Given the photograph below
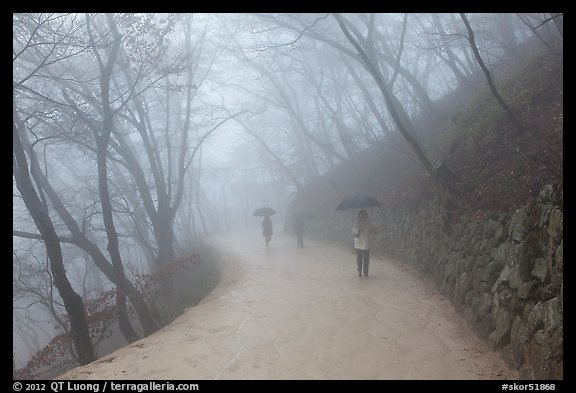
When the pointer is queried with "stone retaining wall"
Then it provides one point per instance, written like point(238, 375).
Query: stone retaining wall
point(503, 273)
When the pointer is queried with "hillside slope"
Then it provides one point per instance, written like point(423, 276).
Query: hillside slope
point(496, 169)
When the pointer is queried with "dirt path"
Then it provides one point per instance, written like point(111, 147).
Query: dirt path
point(290, 313)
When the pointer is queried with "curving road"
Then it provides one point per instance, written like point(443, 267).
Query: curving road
point(289, 313)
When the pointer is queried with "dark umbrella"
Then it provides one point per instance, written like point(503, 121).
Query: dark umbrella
point(358, 202)
point(264, 211)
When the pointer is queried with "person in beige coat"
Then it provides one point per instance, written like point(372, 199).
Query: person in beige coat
point(362, 230)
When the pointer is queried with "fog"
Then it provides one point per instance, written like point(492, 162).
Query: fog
point(136, 135)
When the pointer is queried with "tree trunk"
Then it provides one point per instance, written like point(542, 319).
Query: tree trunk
point(165, 236)
point(80, 240)
point(452, 60)
point(112, 235)
point(446, 193)
point(394, 63)
point(367, 97)
point(102, 138)
point(72, 301)
point(515, 122)
point(123, 319)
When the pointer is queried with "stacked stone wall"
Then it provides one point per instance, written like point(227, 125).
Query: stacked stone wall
point(503, 273)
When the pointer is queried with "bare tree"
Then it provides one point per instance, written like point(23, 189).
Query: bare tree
point(534, 22)
point(444, 50)
point(102, 137)
point(513, 119)
point(168, 162)
point(80, 239)
point(74, 111)
point(440, 177)
point(72, 301)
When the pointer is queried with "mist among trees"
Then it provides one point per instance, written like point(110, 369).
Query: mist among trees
point(136, 135)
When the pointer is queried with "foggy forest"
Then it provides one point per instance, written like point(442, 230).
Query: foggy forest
point(137, 137)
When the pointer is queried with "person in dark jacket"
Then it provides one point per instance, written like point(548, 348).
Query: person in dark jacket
point(267, 229)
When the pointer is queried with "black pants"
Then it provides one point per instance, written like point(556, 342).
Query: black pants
point(363, 261)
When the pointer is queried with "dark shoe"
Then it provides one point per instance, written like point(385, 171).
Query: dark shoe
point(366, 275)
point(359, 274)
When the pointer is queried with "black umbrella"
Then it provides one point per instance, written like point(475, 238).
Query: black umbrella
point(358, 202)
point(264, 211)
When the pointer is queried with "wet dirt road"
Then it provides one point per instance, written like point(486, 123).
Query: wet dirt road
point(288, 313)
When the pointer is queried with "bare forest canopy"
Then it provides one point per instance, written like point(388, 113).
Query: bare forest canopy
point(135, 135)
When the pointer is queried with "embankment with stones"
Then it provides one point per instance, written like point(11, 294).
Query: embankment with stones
point(502, 272)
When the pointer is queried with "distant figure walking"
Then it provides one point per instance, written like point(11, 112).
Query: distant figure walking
point(267, 230)
point(299, 229)
point(362, 231)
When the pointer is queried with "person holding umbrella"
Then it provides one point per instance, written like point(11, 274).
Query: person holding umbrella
point(362, 231)
point(267, 230)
